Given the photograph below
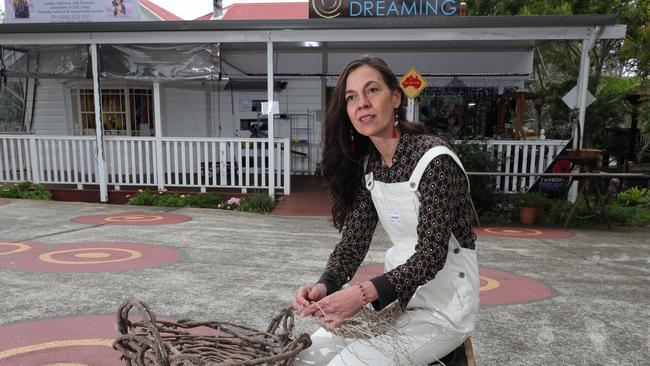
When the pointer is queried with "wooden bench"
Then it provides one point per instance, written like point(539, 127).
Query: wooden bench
point(461, 356)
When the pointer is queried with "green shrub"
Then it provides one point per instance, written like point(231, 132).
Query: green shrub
point(35, 192)
point(555, 212)
point(205, 200)
point(170, 200)
point(26, 190)
point(530, 199)
point(634, 197)
point(144, 197)
point(476, 158)
point(630, 216)
point(9, 192)
point(495, 218)
point(259, 203)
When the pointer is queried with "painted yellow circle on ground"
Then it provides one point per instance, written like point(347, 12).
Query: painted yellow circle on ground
point(526, 232)
point(490, 285)
point(56, 344)
point(134, 218)
point(20, 247)
point(48, 257)
point(92, 255)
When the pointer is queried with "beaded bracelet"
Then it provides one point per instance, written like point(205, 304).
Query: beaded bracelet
point(364, 298)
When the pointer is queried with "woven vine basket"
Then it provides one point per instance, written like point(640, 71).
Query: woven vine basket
point(152, 342)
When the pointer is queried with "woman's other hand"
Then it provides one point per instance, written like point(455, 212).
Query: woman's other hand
point(308, 294)
point(334, 309)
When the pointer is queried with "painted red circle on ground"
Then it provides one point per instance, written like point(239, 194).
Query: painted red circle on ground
point(10, 249)
point(3, 202)
point(90, 257)
point(133, 218)
point(497, 287)
point(83, 340)
point(523, 232)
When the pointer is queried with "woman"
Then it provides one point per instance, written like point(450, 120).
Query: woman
point(382, 168)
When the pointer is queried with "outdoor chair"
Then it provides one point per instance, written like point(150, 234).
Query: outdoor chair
point(461, 356)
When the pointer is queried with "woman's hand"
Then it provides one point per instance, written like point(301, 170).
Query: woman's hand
point(308, 294)
point(334, 309)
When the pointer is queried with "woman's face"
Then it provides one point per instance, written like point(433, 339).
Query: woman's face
point(370, 102)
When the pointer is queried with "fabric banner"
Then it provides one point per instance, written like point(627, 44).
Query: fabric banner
point(53, 11)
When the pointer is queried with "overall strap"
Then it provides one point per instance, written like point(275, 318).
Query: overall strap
point(370, 182)
point(422, 165)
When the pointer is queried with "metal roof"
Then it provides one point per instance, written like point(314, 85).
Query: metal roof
point(573, 21)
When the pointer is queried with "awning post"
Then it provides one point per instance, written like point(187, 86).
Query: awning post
point(100, 159)
point(269, 97)
point(157, 123)
point(583, 85)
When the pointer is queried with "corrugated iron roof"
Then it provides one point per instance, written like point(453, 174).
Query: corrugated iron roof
point(575, 21)
point(259, 11)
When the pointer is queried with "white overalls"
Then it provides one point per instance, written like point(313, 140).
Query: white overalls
point(441, 313)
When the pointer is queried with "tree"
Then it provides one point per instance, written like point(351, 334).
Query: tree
point(557, 64)
point(637, 51)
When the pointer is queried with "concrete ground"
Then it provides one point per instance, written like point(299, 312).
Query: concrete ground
point(245, 267)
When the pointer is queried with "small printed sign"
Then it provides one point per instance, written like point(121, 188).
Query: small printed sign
point(571, 98)
point(412, 83)
point(71, 11)
point(275, 108)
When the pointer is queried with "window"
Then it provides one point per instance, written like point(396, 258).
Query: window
point(125, 111)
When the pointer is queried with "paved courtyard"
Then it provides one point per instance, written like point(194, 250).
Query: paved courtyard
point(548, 297)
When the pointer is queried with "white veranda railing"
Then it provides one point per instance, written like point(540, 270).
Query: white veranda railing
point(240, 163)
point(521, 157)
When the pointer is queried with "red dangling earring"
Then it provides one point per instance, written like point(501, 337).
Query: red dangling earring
point(395, 125)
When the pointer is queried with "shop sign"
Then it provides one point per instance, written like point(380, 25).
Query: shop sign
point(382, 8)
point(412, 83)
point(57, 11)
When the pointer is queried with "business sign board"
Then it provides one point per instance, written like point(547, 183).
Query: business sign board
point(412, 83)
point(330, 9)
point(54, 11)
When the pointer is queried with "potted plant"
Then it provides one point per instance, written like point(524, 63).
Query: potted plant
point(528, 204)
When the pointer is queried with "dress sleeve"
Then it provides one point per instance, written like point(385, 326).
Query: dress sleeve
point(445, 208)
point(348, 254)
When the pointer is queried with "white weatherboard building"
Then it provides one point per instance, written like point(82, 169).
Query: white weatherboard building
point(182, 102)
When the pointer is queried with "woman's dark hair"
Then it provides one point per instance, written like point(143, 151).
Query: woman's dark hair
point(341, 162)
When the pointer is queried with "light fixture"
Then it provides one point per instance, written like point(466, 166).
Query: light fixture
point(310, 44)
point(471, 104)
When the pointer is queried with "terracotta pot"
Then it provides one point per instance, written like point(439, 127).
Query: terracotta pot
point(527, 215)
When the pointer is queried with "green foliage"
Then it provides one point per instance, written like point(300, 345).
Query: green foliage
point(26, 190)
point(495, 218)
point(630, 216)
point(634, 197)
point(144, 197)
point(555, 212)
point(170, 200)
point(530, 199)
point(260, 203)
point(9, 192)
point(205, 200)
point(476, 158)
